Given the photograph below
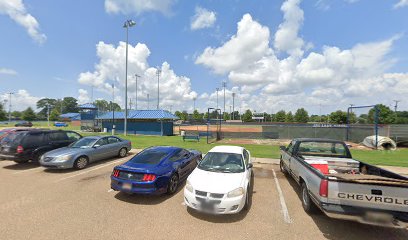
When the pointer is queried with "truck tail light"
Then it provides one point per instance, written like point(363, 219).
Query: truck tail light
point(324, 188)
point(20, 149)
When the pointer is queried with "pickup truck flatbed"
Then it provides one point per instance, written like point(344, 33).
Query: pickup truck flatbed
point(345, 188)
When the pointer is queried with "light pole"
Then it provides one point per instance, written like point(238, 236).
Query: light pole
point(127, 25)
point(217, 89)
point(194, 101)
point(136, 76)
point(233, 105)
point(230, 113)
point(224, 84)
point(148, 100)
point(9, 113)
point(158, 72)
point(113, 109)
point(48, 115)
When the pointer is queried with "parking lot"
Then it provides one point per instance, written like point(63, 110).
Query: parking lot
point(36, 203)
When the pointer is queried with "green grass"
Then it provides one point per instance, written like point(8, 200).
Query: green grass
point(387, 158)
point(44, 124)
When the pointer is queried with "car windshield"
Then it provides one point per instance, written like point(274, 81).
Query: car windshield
point(329, 149)
point(222, 162)
point(83, 143)
point(150, 156)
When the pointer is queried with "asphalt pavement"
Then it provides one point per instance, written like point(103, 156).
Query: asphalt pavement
point(38, 203)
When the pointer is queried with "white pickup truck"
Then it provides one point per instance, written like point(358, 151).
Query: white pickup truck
point(343, 187)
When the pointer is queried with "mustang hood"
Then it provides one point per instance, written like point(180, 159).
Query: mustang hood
point(215, 182)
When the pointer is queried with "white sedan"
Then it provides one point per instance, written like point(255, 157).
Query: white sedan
point(221, 182)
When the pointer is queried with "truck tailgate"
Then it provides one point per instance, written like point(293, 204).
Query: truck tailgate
point(373, 196)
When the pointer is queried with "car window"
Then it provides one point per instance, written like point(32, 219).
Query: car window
point(177, 156)
point(57, 136)
point(150, 156)
point(113, 140)
point(246, 157)
point(290, 147)
point(34, 139)
point(322, 149)
point(14, 137)
point(73, 136)
point(102, 141)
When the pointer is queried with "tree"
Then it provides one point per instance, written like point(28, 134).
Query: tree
point(29, 114)
point(385, 115)
point(247, 116)
point(102, 105)
point(280, 116)
point(301, 116)
point(43, 103)
point(69, 104)
point(16, 114)
point(3, 115)
point(197, 116)
point(340, 117)
point(54, 115)
point(289, 117)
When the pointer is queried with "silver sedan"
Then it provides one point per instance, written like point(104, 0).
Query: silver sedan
point(86, 150)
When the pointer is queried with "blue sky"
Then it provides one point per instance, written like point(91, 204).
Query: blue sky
point(328, 55)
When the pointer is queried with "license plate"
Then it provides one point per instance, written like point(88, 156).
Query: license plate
point(127, 186)
point(207, 206)
point(378, 217)
point(5, 149)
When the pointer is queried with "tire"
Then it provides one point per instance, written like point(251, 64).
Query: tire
point(173, 184)
point(307, 203)
point(38, 156)
point(122, 152)
point(81, 162)
point(247, 203)
point(282, 167)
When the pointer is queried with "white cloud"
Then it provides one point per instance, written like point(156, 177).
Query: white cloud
point(175, 90)
point(325, 4)
point(332, 77)
point(83, 96)
point(20, 100)
point(401, 3)
point(286, 38)
point(7, 71)
point(202, 19)
point(138, 6)
point(249, 44)
point(16, 10)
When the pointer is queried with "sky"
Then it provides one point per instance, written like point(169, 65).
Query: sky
point(322, 55)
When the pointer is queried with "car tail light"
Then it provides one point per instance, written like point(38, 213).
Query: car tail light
point(324, 188)
point(115, 173)
point(20, 149)
point(148, 177)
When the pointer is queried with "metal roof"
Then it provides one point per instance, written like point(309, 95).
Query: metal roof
point(87, 106)
point(141, 114)
point(72, 116)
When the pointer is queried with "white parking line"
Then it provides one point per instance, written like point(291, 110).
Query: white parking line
point(29, 170)
point(90, 170)
point(111, 190)
point(285, 211)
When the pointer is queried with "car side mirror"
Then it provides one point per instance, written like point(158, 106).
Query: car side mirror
point(250, 165)
point(96, 146)
point(283, 148)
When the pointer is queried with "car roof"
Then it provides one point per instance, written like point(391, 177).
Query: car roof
point(165, 148)
point(95, 137)
point(316, 140)
point(228, 149)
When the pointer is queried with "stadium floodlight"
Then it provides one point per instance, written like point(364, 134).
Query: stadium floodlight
point(129, 23)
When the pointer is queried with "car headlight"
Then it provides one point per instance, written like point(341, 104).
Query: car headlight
point(236, 193)
point(189, 187)
point(62, 158)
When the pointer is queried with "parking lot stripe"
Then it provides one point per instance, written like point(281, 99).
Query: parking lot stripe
point(285, 211)
point(90, 170)
point(110, 190)
point(28, 170)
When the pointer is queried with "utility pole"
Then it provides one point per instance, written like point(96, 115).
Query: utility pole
point(230, 113)
point(217, 89)
point(113, 109)
point(224, 84)
point(351, 109)
point(158, 72)
point(136, 76)
point(148, 100)
point(396, 105)
point(233, 105)
point(9, 113)
point(130, 103)
point(194, 102)
point(48, 115)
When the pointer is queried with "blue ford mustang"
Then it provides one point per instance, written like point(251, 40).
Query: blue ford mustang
point(155, 170)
